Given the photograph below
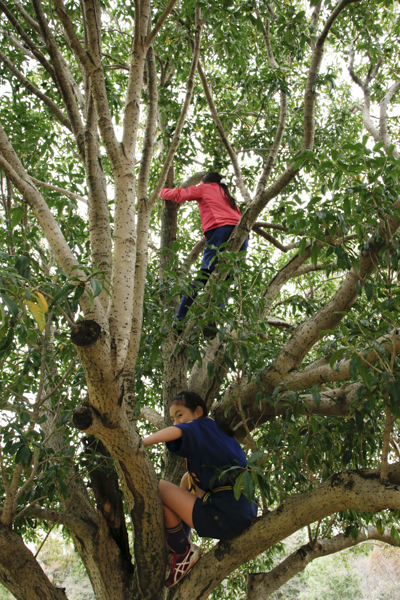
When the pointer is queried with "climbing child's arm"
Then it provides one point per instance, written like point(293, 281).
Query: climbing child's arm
point(165, 435)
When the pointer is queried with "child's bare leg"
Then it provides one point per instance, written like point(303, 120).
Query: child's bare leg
point(177, 504)
point(185, 482)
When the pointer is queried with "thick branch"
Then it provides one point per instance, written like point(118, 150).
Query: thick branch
point(63, 77)
point(143, 221)
point(332, 313)
point(135, 82)
point(151, 37)
point(12, 166)
point(260, 586)
point(27, 16)
point(20, 573)
point(99, 216)
point(96, 74)
point(359, 490)
point(384, 133)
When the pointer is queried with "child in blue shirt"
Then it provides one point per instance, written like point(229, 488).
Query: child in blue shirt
point(211, 509)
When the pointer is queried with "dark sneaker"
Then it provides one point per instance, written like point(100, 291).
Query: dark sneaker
point(180, 564)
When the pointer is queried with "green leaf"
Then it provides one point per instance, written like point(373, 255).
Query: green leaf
point(378, 146)
point(210, 369)
point(302, 246)
point(369, 289)
point(22, 266)
point(358, 288)
point(314, 255)
point(380, 527)
point(63, 488)
point(23, 456)
point(346, 458)
point(62, 294)
point(194, 353)
point(237, 488)
point(336, 356)
point(317, 398)
point(353, 368)
point(17, 215)
point(255, 457)
point(96, 286)
point(24, 417)
point(359, 421)
point(221, 333)
point(249, 487)
point(11, 305)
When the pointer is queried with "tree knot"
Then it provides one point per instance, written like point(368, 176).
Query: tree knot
point(86, 333)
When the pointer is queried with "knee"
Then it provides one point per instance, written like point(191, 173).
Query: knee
point(185, 481)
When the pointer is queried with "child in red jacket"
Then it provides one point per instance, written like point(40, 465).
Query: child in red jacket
point(219, 215)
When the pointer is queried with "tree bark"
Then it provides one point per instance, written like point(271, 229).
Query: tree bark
point(20, 572)
point(260, 586)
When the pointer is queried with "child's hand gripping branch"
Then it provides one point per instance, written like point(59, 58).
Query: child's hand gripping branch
point(212, 512)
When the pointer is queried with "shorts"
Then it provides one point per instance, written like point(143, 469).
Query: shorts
point(221, 516)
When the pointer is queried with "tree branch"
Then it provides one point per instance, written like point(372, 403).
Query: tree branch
point(224, 138)
point(384, 133)
point(189, 91)
point(249, 217)
point(27, 16)
point(359, 490)
point(260, 586)
point(151, 37)
point(143, 221)
point(99, 216)
point(25, 37)
point(135, 82)
point(273, 240)
point(61, 191)
point(332, 313)
point(63, 77)
point(21, 573)
point(34, 90)
point(152, 416)
point(12, 166)
point(96, 75)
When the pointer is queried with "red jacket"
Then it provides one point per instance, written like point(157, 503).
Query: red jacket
point(215, 209)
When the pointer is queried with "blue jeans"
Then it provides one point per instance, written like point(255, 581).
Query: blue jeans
point(215, 237)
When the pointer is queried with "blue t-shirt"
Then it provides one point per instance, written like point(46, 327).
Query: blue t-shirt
point(206, 447)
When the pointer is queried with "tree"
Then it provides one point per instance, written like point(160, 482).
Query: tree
point(103, 106)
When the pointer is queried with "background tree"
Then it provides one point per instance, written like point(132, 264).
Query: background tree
point(103, 105)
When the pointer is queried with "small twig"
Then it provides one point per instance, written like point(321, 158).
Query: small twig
point(45, 539)
point(386, 442)
point(55, 188)
point(59, 384)
point(29, 506)
point(3, 474)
